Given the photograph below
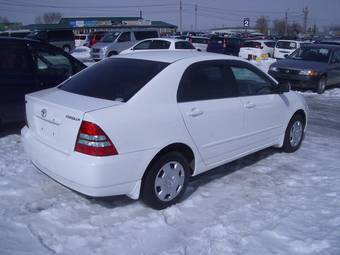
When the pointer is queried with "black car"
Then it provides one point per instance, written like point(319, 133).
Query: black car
point(313, 66)
point(225, 45)
point(25, 66)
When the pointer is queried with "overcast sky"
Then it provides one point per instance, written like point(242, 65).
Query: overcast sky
point(212, 13)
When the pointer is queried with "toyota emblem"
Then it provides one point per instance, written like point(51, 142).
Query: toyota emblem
point(43, 113)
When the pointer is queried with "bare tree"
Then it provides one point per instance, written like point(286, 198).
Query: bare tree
point(262, 24)
point(49, 18)
point(295, 29)
point(279, 27)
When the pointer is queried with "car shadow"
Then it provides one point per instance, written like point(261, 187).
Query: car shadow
point(194, 182)
point(229, 168)
point(11, 129)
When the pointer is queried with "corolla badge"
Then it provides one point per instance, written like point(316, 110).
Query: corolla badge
point(43, 113)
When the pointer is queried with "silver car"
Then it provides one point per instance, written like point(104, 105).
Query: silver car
point(114, 42)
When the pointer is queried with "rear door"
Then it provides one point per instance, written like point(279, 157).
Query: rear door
point(334, 68)
point(213, 114)
point(17, 79)
point(265, 109)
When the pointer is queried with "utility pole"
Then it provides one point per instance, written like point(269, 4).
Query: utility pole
point(305, 19)
point(180, 16)
point(286, 23)
point(195, 17)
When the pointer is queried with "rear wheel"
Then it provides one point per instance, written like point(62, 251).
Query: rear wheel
point(294, 134)
point(165, 181)
point(321, 85)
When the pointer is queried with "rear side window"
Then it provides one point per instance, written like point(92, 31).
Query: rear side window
point(116, 79)
point(206, 81)
point(14, 59)
point(184, 45)
point(141, 35)
point(199, 40)
point(286, 45)
point(160, 44)
point(252, 44)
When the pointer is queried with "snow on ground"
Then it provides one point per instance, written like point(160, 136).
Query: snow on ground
point(267, 203)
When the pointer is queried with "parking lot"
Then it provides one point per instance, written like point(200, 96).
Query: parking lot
point(267, 203)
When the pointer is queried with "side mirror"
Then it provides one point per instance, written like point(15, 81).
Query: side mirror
point(286, 55)
point(283, 87)
point(334, 61)
point(199, 50)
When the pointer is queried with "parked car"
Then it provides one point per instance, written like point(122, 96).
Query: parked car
point(80, 39)
point(62, 38)
point(311, 66)
point(26, 66)
point(156, 44)
point(257, 48)
point(93, 38)
point(21, 33)
point(225, 45)
point(141, 124)
point(81, 53)
point(199, 42)
point(115, 42)
point(284, 48)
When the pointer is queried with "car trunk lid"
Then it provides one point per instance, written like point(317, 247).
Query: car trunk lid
point(55, 116)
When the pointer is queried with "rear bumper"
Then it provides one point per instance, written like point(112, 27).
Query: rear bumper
point(296, 81)
point(93, 176)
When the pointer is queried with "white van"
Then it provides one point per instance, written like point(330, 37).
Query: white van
point(284, 48)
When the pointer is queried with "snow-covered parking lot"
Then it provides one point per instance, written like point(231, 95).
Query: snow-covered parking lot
point(266, 203)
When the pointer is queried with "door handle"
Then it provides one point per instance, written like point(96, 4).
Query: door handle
point(249, 105)
point(194, 112)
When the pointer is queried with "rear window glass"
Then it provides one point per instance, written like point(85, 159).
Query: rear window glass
point(252, 44)
point(199, 40)
point(116, 79)
point(270, 44)
point(216, 39)
point(286, 45)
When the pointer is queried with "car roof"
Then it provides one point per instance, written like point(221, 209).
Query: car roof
point(259, 40)
point(166, 39)
point(170, 56)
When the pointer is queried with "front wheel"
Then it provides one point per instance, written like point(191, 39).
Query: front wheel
point(294, 134)
point(165, 181)
point(321, 85)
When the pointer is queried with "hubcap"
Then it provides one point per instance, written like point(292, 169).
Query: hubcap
point(169, 181)
point(322, 84)
point(296, 133)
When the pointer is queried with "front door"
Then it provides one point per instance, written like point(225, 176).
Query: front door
point(265, 109)
point(213, 114)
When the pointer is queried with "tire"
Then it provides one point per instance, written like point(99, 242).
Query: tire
point(294, 134)
point(112, 53)
point(164, 185)
point(67, 48)
point(320, 89)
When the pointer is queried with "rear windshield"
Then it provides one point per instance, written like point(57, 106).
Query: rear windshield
point(270, 44)
point(199, 40)
point(252, 44)
point(286, 45)
point(116, 79)
point(216, 39)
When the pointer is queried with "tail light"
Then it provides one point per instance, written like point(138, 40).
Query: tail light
point(93, 141)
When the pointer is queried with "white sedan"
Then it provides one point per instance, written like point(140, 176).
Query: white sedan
point(257, 48)
point(141, 124)
point(156, 44)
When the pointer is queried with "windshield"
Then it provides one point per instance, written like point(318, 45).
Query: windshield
point(110, 37)
point(288, 45)
point(312, 54)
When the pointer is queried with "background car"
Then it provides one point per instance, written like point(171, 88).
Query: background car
point(225, 45)
point(284, 48)
point(312, 66)
point(84, 132)
point(80, 39)
point(257, 48)
point(62, 38)
point(161, 44)
point(115, 42)
point(93, 38)
point(26, 66)
point(21, 33)
point(199, 42)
